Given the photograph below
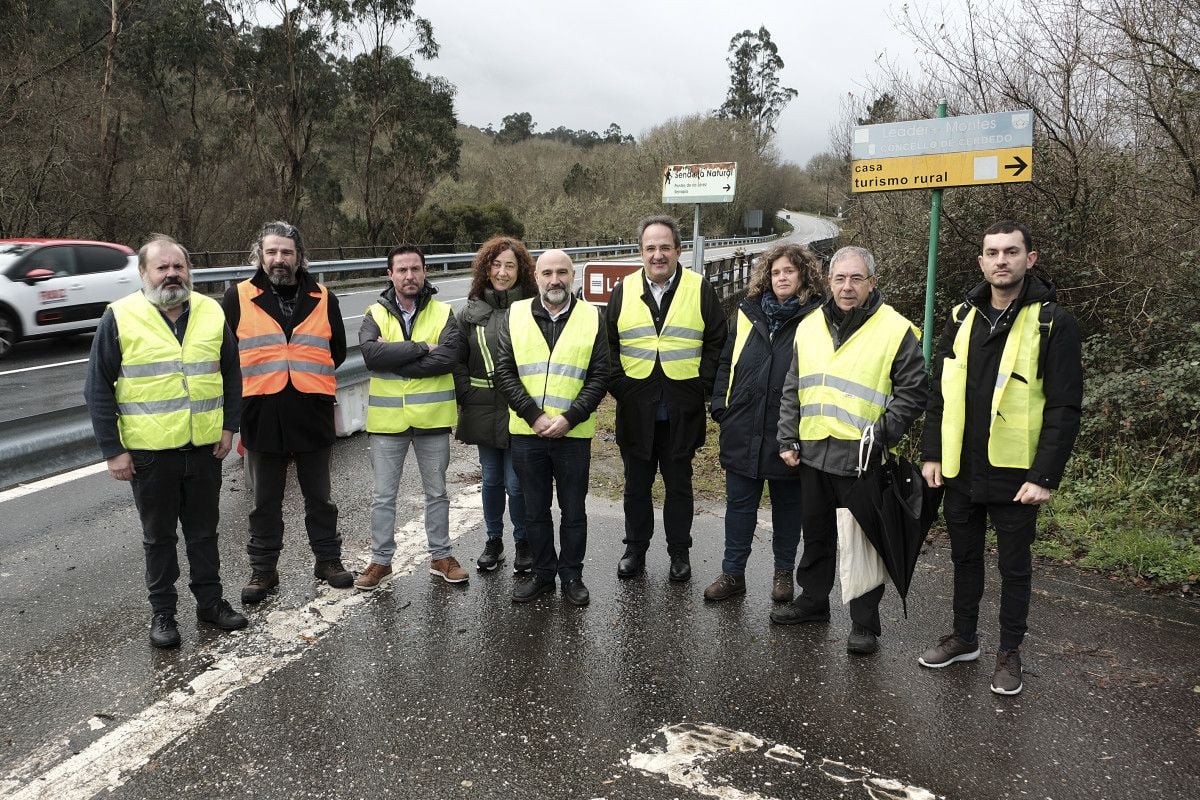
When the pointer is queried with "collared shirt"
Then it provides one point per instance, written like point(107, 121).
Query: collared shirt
point(406, 315)
point(657, 291)
point(554, 315)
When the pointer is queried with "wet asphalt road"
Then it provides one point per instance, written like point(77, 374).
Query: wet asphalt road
point(432, 690)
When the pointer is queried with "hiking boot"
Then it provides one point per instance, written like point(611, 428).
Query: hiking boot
point(782, 588)
point(492, 555)
point(725, 587)
point(861, 642)
point(333, 573)
point(261, 584)
point(1007, 677)
point(163, 631)
point(449, 569)
point(948, 650)
point(523, 559)
point(800, 611)
point(376, 575)
point(222, 615)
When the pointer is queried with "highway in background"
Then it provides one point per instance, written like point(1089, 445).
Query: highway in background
point(48, 375)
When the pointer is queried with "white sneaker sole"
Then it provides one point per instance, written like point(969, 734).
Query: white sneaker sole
point(962, 657)
point(1009, 692)
point(442, 575)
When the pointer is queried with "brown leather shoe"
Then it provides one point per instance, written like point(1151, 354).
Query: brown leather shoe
point(376, 575)
point(725, 586)
point(782, 588)
point(449, 569)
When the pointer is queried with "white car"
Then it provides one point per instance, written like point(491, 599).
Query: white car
point(56, 287)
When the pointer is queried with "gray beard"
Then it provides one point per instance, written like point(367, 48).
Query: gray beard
point(555, 297)
point(279, 279)
point(166, 297)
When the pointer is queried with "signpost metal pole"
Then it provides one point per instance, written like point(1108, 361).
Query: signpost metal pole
point(697, 244)
point(935, 213)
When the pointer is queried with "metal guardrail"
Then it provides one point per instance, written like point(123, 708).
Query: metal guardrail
point(202, 275)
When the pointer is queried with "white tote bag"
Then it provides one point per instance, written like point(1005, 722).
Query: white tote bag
point(860, 568)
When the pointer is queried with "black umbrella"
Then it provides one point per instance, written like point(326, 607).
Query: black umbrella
point(894, 508)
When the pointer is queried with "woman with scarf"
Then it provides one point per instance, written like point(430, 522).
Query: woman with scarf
point(502, 274)
point(785, 286)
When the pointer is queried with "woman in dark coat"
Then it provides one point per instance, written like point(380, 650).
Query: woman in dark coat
point(786, 285)
point(502, 274)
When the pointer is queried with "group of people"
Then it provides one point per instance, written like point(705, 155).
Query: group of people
point(810, 362)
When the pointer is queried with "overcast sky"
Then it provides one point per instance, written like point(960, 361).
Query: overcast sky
point(636, 63)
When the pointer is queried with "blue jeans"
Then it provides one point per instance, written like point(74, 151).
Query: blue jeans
point(558, 466)
point(743, 495)
point(499, 481)
point(432, 452)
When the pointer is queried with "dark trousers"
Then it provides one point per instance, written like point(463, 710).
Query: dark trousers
point(743, 495)
point(179, 488)
point(821, 494)
point(561, 466)
point(266, 518)
point(677, 505)
point(1016, 526)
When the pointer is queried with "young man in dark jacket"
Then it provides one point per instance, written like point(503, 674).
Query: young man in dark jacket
point(1002, 420)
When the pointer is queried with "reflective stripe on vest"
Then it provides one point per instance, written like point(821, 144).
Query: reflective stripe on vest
point(1017, 397)
point(489, 366)
point(845, 390)
point(678, 346)
point(169, 394)
point(397, 404)
point(744, 326)
point(555, 379)
point(269, 359)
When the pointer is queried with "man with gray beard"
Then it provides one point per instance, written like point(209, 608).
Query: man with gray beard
point(164, 392)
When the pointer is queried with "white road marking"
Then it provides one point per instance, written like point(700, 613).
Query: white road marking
point(238, 661)
point(689, 748)
point(51, 482)
point(45, 366)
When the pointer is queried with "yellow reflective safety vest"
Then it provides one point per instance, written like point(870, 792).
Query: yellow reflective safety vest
point(169, 394)
point(396, 403)
point(845, 390)
point(1017, 397)
point(678, 345)
point(744, 326)
point(553, 379)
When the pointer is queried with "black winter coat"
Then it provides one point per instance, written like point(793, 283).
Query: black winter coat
point(1062, 384)
point(637, 399)
point(288, 421)
point(751, 418)
point(483, 416)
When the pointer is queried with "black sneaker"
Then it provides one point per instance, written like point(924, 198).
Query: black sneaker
point(333, 573)
point(261, 584)
point(861, 641)
point(948, 650)
point(163, 631)
point(222, 615)
point(492, 555)
point(1007, 679)
point(523, 560)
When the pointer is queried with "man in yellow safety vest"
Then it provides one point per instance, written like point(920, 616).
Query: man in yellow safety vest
point(666, 330)
point(410, 342)
point(1007, 391)
point(858, 365)
point(552, 365)
point(163, 389)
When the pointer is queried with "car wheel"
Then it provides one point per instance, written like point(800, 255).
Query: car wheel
point(8, 333)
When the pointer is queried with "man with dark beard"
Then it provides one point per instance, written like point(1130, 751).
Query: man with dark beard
point(163, 389)
point(290, 340)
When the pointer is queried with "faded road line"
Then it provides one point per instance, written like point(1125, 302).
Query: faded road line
point(240, 661)
point(682, 753)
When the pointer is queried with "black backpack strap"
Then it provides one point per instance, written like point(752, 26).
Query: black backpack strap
point(1045, 322)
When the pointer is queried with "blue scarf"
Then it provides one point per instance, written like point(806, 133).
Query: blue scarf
point(778, 313)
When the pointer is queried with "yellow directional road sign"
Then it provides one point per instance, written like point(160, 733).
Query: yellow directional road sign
point(971, 168)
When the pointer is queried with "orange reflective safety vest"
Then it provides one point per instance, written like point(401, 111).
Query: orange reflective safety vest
point(269, 359)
